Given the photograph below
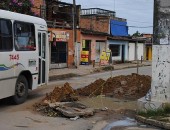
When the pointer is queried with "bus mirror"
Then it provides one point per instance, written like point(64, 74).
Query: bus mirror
point(54, 39)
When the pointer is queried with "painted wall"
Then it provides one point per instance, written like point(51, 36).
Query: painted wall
point(118, 28)
point(140, 50)
point(131, 51)
point(114, 42)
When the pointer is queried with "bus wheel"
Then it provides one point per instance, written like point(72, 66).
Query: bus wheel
point(21, 90)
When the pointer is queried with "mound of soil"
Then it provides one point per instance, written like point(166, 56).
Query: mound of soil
point(130, 86)
point(61, 94)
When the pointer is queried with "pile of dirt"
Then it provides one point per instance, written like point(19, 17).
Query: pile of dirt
point(131, 86)
point(56, 102)
point(61, 94)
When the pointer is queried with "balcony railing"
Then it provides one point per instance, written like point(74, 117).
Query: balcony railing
point(53, 24)
point(97, 11)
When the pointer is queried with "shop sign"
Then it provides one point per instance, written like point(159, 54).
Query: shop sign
point(105, 56)
point(84, 57)
point(61, 36)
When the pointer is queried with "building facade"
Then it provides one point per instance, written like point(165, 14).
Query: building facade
point(62, 48)
point(95, 43)
point(61, 29)
point(115, 29)
point(96, 30)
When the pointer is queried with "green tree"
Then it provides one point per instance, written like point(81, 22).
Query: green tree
point(136, 34)
point(20, 6)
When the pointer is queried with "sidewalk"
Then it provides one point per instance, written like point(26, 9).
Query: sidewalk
point(62, 73)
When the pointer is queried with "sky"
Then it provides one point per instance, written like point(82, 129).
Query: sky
point(139, 13)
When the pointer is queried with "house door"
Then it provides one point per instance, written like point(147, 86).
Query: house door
point(100, 46)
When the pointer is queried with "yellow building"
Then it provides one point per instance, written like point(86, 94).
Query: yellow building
point(148, 46)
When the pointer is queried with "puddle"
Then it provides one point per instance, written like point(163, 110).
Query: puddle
point(125, 122)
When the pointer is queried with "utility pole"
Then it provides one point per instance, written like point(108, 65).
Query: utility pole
point(159, 95)
point(75, 33)
point(136, 55)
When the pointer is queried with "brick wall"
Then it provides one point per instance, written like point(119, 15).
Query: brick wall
point(95, 23)
point(37, 5)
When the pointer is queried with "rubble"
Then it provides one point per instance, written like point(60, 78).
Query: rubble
point(72, 112)
point(64, 109)
point(61, 102)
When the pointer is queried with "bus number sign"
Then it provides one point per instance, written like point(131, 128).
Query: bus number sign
point(14, 57)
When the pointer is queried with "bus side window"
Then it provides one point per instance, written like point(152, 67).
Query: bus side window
point(24, 36)
point(6, 42)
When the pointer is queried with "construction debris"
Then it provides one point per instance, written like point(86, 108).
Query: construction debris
point(67, 109)
point(61, 102)
point(72, 112)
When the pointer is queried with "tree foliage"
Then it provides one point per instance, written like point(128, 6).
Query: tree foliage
point(20, 6)
point(137, 34)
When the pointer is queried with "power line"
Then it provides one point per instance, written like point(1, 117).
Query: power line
point(140, 26)
point(139, 21)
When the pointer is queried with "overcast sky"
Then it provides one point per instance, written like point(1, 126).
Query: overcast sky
point(139, 13)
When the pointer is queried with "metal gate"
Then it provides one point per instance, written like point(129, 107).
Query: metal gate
point(58, 55)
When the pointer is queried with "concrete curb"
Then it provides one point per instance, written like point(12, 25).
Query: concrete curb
point(153, 122)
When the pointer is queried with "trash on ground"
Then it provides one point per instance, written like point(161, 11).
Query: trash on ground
point(75, 118)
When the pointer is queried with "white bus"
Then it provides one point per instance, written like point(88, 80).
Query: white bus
point(24, 53)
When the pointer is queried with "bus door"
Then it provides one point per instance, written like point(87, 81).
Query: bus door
point(42, 57)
